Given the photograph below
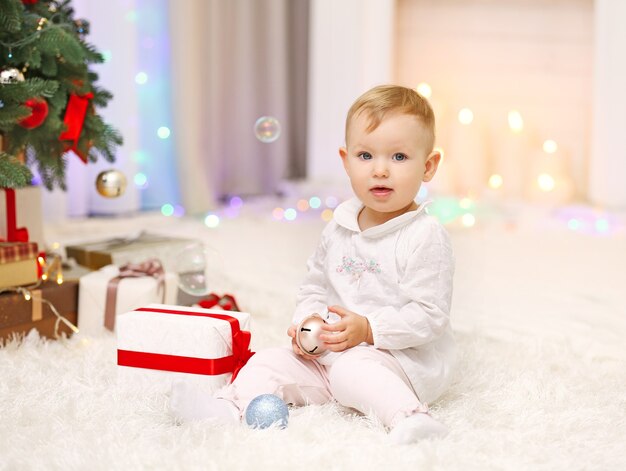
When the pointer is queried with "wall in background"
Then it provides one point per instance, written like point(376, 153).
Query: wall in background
point(533, 56)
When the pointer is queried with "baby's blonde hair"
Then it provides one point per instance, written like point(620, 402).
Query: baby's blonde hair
point(383, 99)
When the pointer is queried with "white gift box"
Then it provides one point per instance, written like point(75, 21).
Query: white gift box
point(131, 294)
point(160, 344)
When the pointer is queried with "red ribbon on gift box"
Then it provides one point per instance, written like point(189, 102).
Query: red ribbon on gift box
point(74, 120)
point(14, 233)
point(201, 366)
point(150, 267)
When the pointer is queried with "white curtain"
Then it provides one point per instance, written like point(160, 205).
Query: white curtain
point(233, 62)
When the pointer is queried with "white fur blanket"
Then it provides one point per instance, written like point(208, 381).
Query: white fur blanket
point(540, 319)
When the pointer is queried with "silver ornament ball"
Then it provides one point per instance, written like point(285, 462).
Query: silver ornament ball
point(267, 410)
point(11, 75)
point(111, 183)
point(308, 335)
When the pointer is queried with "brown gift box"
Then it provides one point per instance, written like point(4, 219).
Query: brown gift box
point(17, 315)
point(95, 255)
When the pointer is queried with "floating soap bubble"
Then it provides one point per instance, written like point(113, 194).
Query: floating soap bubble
point(197, 267)
point(267, 129)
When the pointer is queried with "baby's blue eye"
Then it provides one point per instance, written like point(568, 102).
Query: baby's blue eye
point(399, 157)
point(365, 155)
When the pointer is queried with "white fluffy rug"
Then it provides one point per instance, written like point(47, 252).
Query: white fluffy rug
point(540, 317)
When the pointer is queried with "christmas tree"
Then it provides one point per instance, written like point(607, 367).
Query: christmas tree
point(48, 94)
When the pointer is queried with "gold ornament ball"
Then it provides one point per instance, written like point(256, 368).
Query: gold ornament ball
point(111, 183)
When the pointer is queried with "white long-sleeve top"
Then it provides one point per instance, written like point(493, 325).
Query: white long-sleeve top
point(397, 274)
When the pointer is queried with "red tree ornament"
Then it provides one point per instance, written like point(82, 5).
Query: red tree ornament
point(29, 2)
point(39, 108)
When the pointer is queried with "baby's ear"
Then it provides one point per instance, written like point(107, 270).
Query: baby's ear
point(432, 163)
point(343, 153)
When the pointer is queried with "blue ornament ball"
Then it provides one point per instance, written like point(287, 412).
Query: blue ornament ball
point(266, 410)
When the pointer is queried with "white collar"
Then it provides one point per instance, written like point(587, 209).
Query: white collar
point(347, 213)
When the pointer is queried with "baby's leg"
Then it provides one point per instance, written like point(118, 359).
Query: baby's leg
point(281, 372)
point(372, 382)
point(272, 371)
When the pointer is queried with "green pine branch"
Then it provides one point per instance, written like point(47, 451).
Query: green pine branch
point(13, 174)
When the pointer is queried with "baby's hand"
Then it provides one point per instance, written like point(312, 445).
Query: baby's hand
point(291, 332)
point(351, 330)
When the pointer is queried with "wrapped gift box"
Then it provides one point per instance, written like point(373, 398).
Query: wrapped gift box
point(159, 344)
point(27, 211)
point(18, 264)
point(132, 292)
point(96, 255)
point(19, 316)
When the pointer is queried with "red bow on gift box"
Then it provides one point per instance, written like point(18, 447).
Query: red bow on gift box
point(226, 302)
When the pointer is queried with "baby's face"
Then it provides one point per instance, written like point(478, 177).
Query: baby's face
point(386, 167)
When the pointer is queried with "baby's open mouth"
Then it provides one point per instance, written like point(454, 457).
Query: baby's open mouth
point(380, 190)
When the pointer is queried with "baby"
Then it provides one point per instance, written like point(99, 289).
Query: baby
point(382, 278)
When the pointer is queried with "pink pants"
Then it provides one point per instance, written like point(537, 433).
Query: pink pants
point(363, 378)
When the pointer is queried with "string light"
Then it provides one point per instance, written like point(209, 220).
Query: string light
point(26, 293)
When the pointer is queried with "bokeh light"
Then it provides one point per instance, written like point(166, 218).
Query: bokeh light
point(466, 116)
point(516, 122)
point(550, 146)
point(278, 213)
point(545, 182)
point(466, 203)
point(235, 202)
point(602, 225)
point(302, 205)
point(163, 132)
point(573, 224)
point(315, 202)
point(141, 180)
point(212, 220)
point(167, 209)
point(179, 211)
point(468, 220)
point(327, 214)
point(290, 214)
point(424, 89)
point(495, 181)
point(141, 78)
point(331, 202)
